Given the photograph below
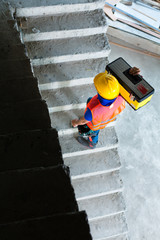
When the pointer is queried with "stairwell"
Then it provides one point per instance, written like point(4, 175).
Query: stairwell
point(67, 44)
point(37, 200)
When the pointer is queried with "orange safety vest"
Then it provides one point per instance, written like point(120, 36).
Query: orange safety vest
point(102, 115)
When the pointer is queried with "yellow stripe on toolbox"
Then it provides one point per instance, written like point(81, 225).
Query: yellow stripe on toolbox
point(134, 103)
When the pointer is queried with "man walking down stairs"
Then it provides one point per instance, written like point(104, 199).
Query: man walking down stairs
point(67, 44)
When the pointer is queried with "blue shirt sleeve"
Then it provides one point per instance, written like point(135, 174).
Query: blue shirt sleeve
point(88, 115)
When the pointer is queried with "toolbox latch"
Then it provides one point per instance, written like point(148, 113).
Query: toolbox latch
point(132, 97)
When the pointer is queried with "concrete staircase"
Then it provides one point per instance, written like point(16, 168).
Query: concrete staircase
point(67, 44)
point(37, 200)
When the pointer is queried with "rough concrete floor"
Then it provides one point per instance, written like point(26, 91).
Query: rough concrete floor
point(139, 141)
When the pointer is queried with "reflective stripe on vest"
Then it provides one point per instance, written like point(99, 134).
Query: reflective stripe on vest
point(102, 115)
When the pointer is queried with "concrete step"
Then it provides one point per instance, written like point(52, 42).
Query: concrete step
point(66, 117)
point(70, 58)
point(60, 47)
point(69, 226)
point(68, 107)
point(94, 163)
point(67, 71)
point(101, 206)
point(64, 22)
point(63, 84)
point(55, 35)
point(107, 227)
point(121, 236)
point(71, 147)
point(42, 7)
point(36, 148)
point(97, 185)
point(35, 193)
point(67, 96)
point(64, 126)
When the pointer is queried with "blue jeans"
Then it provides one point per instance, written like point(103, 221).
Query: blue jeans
point(96, 133)
point(95, 138)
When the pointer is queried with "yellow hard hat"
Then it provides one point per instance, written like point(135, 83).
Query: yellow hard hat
point(106, 85)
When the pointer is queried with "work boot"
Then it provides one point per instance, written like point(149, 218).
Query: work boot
point(87, 142)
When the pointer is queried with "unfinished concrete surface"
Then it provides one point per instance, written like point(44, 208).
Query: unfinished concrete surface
point(67, 44)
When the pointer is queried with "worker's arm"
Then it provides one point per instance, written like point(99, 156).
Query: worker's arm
point(134, 71)
point(81, 121)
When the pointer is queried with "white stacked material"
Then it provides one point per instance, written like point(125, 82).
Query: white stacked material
point(144, 14)
point(139, 31)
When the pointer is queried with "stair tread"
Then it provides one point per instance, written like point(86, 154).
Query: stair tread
point(108, 226)
point(95, 162)
point(66, 116)
point(60, 47)
point(71, 147)
point(96, 185)
point(121, 236)
point(65, 22)
point(67, 34)
point(69, 70)
point(40, 7)
point(70, 57)
point(66, 96)
point(103, 205)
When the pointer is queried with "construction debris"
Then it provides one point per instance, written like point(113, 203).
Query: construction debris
point(140, 18)
point(136, 19)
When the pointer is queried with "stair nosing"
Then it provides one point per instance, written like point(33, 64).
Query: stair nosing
point(70, 58)
point(57, 9)
point(100, 194)
point(91, 174)
point(106, 216)
point(65, 84)
point(88, 151)
point(68, 131)
point(112, 236)
point(66, 107)
point(54, 35)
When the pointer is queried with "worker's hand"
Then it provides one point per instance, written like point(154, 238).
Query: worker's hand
point(81, 121)
point(134, 71)
point(74, 122)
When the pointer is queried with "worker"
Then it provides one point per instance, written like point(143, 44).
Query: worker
point(101, 109)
